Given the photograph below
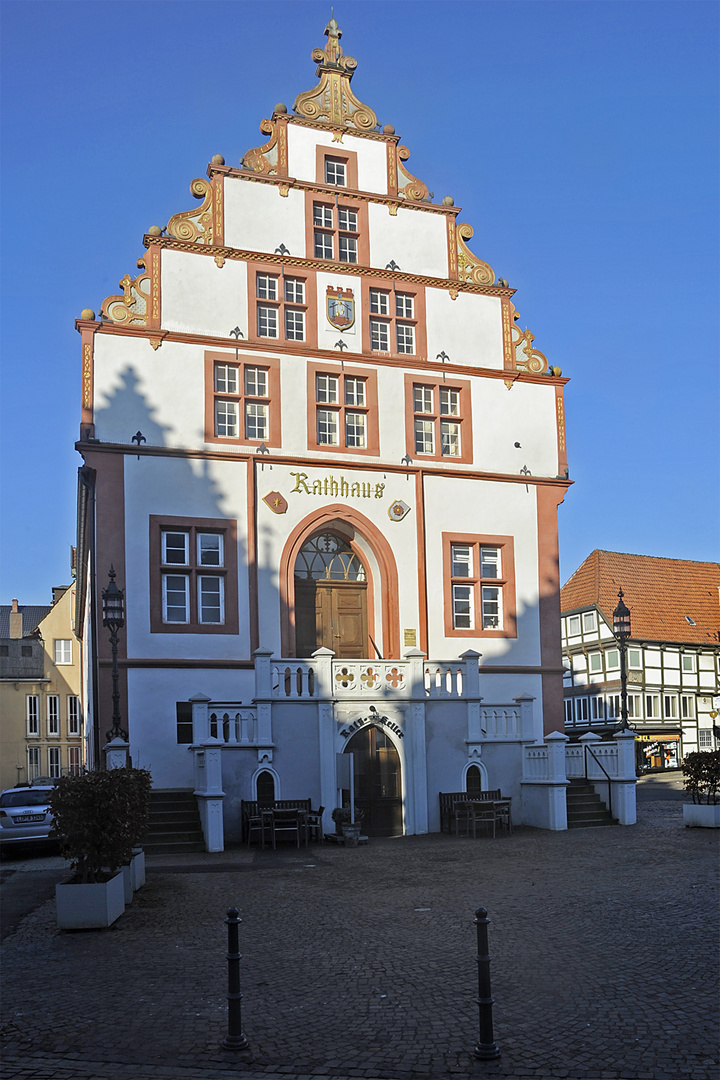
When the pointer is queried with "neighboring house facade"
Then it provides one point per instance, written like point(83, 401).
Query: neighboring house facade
point(41, 691)
point(673, 654)
point(325, 464)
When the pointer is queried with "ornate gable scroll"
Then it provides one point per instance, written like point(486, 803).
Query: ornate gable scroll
point(203, 225)
point(333, 100)
point(134, 306)
point(409, 187)
point(524, 356)
point(270, 159)
point(470, 268)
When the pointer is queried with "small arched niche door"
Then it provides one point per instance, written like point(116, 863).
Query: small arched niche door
point(378, 781)
point(330, 598)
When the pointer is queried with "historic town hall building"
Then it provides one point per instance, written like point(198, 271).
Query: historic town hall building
point(325, 464)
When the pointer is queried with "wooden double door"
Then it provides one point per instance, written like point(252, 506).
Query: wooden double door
point(332, 614)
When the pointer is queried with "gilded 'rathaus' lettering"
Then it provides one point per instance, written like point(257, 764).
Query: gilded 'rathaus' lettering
point(328, 485)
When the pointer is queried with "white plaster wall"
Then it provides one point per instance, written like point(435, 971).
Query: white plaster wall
point(502, 417)
point(468, 329)
point(182, 487)
point(415, 240)
point(392, 404)
point(460, 505)
point(302, 156)
point(273, 530)
point(199, 297)
point(158, 392)
point(259, 218)
point(152, 695)
point(327, 334)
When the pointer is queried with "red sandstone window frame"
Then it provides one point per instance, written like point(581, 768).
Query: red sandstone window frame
point(505, 582)
point(257, 269)
point(394, 290)
point(436, 417)
point(225, 527)
point(370, 408)
point(272, 400)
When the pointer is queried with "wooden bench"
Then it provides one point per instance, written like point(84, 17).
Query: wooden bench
point(448, 799)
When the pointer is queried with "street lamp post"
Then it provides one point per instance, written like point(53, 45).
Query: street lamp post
point(621, 630)
point(113, 608)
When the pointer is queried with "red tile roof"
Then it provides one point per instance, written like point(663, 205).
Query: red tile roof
point(660, 593)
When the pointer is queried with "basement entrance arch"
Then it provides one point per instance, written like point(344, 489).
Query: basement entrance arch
point(378, 781)
point(330, 598)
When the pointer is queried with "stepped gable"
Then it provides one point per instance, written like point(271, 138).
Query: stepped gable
point(662, 595)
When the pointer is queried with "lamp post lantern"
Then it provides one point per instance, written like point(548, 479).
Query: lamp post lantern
point(113, 608)
point(621, 630)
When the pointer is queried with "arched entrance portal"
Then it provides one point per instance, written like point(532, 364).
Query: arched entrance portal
point(378, 781)
point(330, 598)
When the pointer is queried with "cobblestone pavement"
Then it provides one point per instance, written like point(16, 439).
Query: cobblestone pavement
point(361, 963)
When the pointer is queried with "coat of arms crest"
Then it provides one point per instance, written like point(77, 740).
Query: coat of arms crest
point(340, 306)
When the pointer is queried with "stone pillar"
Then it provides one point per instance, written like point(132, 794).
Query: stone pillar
point(625, 787)
point(201, 728)
point(527, 718)
point(323, 672)
point(209, 793)
point(557, 780)
point(116, 754)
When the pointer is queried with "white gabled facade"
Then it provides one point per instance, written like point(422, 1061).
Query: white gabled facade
point(312, 374)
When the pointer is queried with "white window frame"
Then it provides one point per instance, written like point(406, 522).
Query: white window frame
point(53, 715)
point(226, 419)
point(32, 715)
point(612, 660)
point(203, 608)
point(463, 606)
point(595, 663)
point(635, 665)
point(74, 761)
point(573, 621)
point(705, 738)
point(688, 664)
point(670, 707)
point(687, 707)
point(652, 706)
point(335, 172)
point(73, 714)
point(165, 612)
point(33, 762)
point(62, 650)
point(54, 762)
point(589, 623)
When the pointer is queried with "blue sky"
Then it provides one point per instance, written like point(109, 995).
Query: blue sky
point(580, 138)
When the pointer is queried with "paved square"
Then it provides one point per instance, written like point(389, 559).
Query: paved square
point(604, 946)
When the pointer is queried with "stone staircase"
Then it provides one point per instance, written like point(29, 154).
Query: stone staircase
point(174, 826)
point(585, 808)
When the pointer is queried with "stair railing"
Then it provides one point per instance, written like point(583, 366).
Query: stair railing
point(597, 761)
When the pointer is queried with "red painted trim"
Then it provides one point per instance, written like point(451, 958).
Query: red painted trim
point(388, 586)
point(561, 435)
point(548, 501)
point(252, 570)
point(464, 419)
point(87, 391)
point(272, 365)
point(422, 562)
point(340, 371)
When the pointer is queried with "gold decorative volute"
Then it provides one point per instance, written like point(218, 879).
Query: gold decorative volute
point(270, 159)
point(526, 357)
point(470, 268)
point(196, 225)
point(409, 187)
point(333, 100)
point(133, 307)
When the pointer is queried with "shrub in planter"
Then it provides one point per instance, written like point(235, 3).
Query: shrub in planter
point(702, 776)
point(341, 816)
point(702, 781)
point(98, 818)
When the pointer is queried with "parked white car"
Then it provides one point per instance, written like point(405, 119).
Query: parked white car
point(25, 816)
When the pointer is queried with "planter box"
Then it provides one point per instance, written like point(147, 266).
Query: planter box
point(351, 834)
point(90, 907)
point(701, 816)
point(137, 869)
point(126, 872)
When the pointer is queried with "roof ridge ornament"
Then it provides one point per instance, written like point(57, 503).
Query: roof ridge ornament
point(333, 100)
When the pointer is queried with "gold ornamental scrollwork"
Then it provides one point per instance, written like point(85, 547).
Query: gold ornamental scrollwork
point(526, 357)
point(410, 187)
point(470, 268)
point(332, 100)
point(196, 225)
point(134, 306)
point(265, 159)
point(87, 376)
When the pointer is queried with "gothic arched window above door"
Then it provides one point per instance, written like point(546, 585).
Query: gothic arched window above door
point(328, 557)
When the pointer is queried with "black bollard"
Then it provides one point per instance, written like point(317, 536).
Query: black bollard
point(485, 1047)
point(234, 1040)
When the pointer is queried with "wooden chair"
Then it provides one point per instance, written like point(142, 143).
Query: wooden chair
point(287, 822)
point(314, 824)
point(261, 824)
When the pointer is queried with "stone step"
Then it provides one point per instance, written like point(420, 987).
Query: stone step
point(174, 823)
point(180, 847)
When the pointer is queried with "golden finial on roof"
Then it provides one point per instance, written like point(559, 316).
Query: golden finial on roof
point(332, 100)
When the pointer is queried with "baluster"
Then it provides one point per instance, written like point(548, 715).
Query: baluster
point(213, 725)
